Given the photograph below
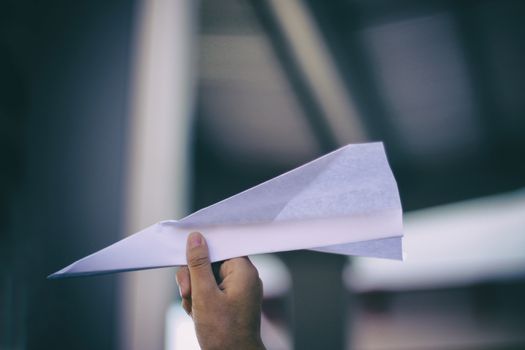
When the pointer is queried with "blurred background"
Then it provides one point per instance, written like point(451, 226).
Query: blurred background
point(117, 114)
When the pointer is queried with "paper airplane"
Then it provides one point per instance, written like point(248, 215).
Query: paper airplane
point(345, 202)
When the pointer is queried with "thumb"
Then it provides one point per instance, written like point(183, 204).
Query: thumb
point(199, 266)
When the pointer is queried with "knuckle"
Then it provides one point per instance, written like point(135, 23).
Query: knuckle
point(251, 268)
point(253, 272)
point(197, 261)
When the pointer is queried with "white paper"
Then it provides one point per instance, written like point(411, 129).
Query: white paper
point(345, 202)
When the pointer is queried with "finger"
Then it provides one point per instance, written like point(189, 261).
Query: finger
point(201, 276)
point(186, 305)
point(241, 265)
point(238, 274)
point(183, 280)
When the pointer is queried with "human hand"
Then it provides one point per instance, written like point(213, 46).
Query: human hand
point(226, 315)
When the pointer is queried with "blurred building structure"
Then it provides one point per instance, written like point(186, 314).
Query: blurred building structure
point(86, 111)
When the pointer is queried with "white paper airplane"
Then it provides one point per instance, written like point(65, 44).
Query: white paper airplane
point(345, 202)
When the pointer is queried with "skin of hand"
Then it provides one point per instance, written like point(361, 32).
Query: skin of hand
point(227, 315)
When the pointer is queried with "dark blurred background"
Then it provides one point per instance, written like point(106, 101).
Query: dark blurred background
point(117, 114)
